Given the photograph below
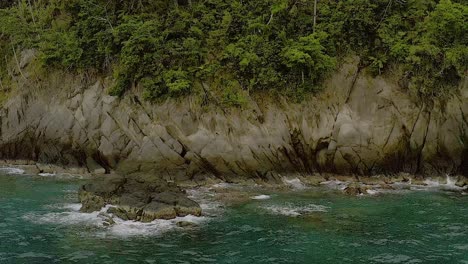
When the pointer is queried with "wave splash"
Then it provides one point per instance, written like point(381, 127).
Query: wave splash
point(72, 216)
point(11, 171)
point(450, 184)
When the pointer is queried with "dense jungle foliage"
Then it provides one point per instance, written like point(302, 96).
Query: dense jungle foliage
point(171, 47)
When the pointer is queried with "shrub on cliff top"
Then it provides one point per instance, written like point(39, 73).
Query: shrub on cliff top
point(167, 46)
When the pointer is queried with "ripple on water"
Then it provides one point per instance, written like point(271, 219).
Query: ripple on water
point(293, 210)
point(394, 258)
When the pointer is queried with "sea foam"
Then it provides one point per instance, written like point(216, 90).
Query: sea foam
point(295, 211)
point(10, 170)
point(71, 216)
point(261, 197)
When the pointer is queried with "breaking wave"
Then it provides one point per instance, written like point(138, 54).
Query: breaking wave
point(72, 216)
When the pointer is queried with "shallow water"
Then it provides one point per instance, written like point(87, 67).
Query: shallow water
point(40, 223)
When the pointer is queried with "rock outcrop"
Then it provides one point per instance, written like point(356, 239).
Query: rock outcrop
point(140, 197)
point(358, 124)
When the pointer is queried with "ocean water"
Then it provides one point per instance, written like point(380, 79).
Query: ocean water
point(40, 223)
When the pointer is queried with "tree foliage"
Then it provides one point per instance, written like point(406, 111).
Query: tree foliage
point(167, 47)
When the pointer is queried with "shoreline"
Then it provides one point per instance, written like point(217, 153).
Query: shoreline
point(215, 198)
point(286, 179)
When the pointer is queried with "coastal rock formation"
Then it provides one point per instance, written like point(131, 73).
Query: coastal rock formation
point(358, 124)
point(142, 198)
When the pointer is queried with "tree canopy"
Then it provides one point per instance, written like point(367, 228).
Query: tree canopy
point(170, 47)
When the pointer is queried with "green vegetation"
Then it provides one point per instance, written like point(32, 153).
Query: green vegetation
point(170, 47)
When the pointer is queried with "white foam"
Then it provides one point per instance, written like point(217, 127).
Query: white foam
point(433, 184)
point(10, 170)
point(261, 197)
point(205, 198)
point(121, 228)
point(69, 207)
point(451, 184)
point(294, 211)
point(157, 227)
point(335, 184)
point(295, 183)
point(47, 174)
point(222, 185)
point(372, 192)
point(62, 175)
point(72, 216)
point(392, 258)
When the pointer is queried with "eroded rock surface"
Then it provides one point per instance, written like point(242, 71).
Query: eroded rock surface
point(140, 197)
point(358, 124)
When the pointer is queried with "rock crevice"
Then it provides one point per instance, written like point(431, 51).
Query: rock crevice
point(357, 124)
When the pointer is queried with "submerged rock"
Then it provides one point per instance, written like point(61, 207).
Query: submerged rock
point(141, 198)
point(186, 224)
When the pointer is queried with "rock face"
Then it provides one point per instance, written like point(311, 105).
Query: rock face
point(140, 197)
point(358, 124)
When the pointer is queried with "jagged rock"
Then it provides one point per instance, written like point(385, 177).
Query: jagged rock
point(90, 202)
point(107, 219)
point(157, 210)
point(462, 182)
point(139, 197)
point(358, 124)
point(355, 189)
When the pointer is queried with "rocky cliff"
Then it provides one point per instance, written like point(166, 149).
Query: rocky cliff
point(357, 124)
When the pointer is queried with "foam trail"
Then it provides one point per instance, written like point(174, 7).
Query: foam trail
point(132, 228)
point(72, 216)
point(10, 170)
point(47, 174)
point(261, 197)
point(295, 211)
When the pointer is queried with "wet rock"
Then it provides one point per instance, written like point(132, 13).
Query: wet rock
point(90, 202)
point(461, 182)
point(139, 197)
point(373, 180)
point(387, 187)
point(418, 180)
point(158, 210)
point(355, 189)
point(313, 180)
point(107, 219)
point(186, 224)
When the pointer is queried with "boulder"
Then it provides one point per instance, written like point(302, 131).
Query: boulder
point(140, 197)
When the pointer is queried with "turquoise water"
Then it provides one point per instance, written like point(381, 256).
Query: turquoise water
point(39, 223)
